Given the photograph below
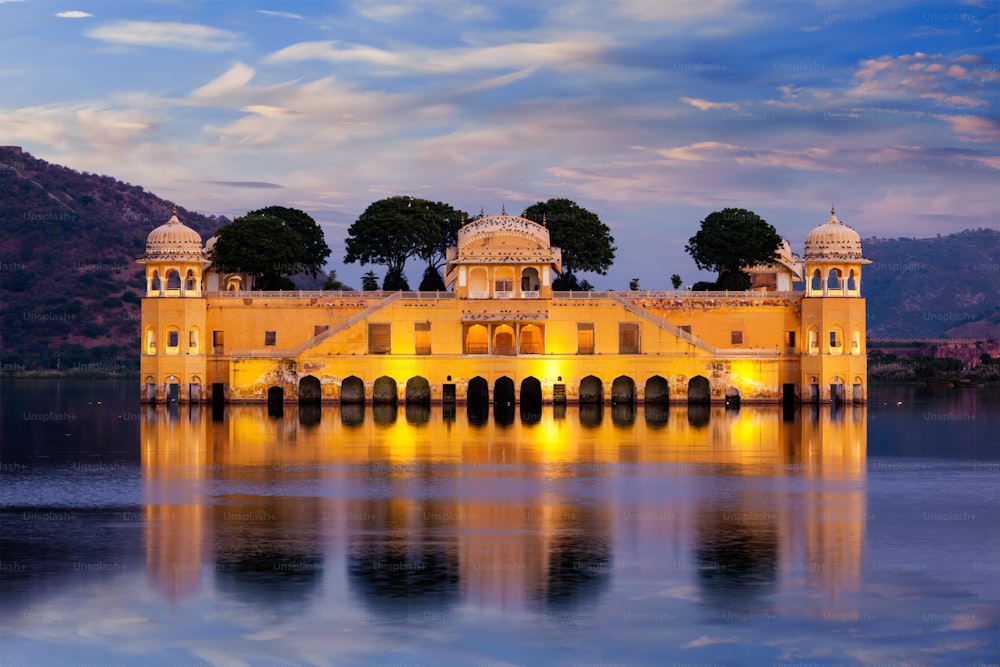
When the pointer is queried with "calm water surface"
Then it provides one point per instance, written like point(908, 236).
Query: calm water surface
point(339, 536)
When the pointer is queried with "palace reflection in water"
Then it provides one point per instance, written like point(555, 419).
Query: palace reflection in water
point(416, 511)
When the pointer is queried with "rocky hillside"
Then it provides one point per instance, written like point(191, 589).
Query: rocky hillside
point(948, 286)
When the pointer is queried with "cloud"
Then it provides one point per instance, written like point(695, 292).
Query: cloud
point(260, 185)
point(705, 640)
point(266, 110)
point(284, 15)
point(74, 14)
point(383, 11)
point(186, 36)
point(948, 82)
point(975, 128)
point(569, 53)
point(235, 78)
point(705, 105)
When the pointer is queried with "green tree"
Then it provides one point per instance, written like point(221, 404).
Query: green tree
point(634, 284)
point(271, 244)
point(731, 241)
point(332, 283)
point(392, 230)
point(585, 241)
point(432, 281)
point(369, 282)
point(676, 281)
point(394, 281)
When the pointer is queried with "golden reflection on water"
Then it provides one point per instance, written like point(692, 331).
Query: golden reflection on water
point(423, 506)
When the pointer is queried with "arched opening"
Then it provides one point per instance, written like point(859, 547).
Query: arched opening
point(503, 283)
point(833, 280)
point(699, 390)
point(856, 341)
point(149, 389)
point(310, 390)
point(234, 284)
point(816, 284)
point(657, 390)
point(813, 336)
point(477, 399)
point(478, 285)
point(852, 282)
point(531, 340)
point(190, 283)
point(150, 339)
point(194, 341)
point(623, 390)
point(591, 390)
point(418, 391)
point(173, 340)
point(352, 390)
point(531, 399)
point(530, 282)
point(275, 402)
point(384, 391)
point(173, 280)
point(733, 397)
point(503, 392)
point(155, 285)
point(194, 389)
point(476, 339)
point(503, 340)
point(836, 340)
point(479, 391)
point(857, 390)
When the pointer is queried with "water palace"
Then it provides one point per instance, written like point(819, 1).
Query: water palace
point(500, 333)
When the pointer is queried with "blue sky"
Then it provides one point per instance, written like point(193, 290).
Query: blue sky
point(650, 113)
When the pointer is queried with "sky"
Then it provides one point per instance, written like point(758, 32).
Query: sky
point(650, 113)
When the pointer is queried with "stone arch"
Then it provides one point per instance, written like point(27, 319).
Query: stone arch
point(657, 390)
point(155, 284)
point(503, 340)
point(531, 339)
point(352, 390)
point(529, 279)
point(384, 390)
point(733, 395)
point(418, 391)
point(149, 340)
point(834, 280)
point(816, 282)
point(623, 390)
point(479, 287)
point(591, 390)
point(699, 390)
point(275, 395)
point(310, 390)
point(234, 284)
point(531, 392)
point(477, 340)
point(503, 391)
point(852, 281)
point(858, 390)
point(190, 282)
point(478, 391)
point(173, 280)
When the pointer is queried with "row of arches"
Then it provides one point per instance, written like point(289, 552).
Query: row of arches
point(170, 283)
point(836, 282)
point(592, 390)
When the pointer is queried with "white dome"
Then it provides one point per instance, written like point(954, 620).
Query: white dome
point(173, 240)
point(833, 240)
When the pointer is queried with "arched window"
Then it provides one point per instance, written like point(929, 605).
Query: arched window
point(836, 340)
point(833, 281)
point(150, 340)
point(813, 335)
point(173, 279)
point(852, 282)
point(529, 282)
point(189, 282)
point(154, 284)
point(503, 285)
point(478, 288)
point(173, 340)
point(817, 282)
point(194, 340)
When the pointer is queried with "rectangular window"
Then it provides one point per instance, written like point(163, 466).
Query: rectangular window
point(218, 340)
point(422, 337)
point(790, 339)
point(379, 337)
point(192, 340)
point(584, 337)
point(628, 338)
point(735, 337)
point(270, 337)
point(319, 328)
point(833, 339)
point(173, 339)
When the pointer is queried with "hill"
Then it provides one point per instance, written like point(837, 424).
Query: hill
point(69, 286)
point(948, 286)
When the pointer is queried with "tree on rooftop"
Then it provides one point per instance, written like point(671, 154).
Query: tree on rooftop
point(392, 230)
point(731, 241)
point(270, 245)
point(585, 241)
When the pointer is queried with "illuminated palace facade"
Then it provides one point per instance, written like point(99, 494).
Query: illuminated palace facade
point(500, 333)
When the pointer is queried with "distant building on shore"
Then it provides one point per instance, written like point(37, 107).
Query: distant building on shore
point(502, 334)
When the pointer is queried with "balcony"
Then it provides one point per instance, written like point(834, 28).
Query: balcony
point(479, 294)
point(529, 294)
point(503, 294)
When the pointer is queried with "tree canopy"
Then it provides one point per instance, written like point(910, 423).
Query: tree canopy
point(731, 241)
point(585, 241)
point(271, 244)
point(392, 230)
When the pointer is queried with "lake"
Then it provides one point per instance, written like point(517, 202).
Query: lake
point(860, 535)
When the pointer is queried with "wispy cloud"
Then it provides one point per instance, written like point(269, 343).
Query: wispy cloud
point(74, 14)
point(187, 36)
point(284, 15)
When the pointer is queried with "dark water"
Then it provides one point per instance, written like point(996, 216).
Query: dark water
point(137, 535)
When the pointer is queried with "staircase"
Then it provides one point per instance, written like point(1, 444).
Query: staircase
point(662, 323)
